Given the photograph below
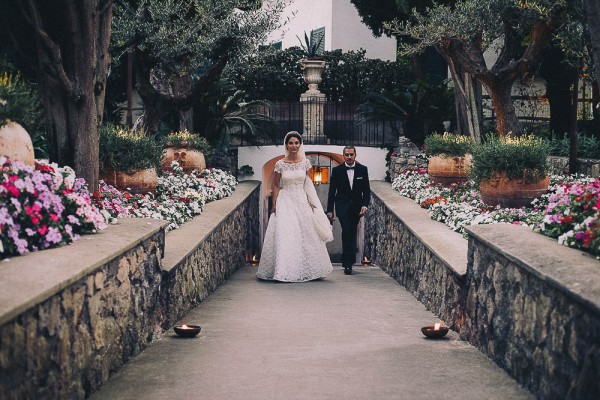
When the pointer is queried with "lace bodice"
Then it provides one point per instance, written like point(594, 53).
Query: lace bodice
point(292, 173)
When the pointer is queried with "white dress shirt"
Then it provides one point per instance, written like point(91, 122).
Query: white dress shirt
point(350, 173)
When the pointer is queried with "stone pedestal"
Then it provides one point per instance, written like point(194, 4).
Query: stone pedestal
point(313, 102)
point(313, 111)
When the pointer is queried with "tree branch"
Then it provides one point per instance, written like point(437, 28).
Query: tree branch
point(52, 49)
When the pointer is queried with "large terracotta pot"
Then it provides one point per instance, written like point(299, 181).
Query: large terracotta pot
point(15, 143)
point(506, 192)
point(449, 169)
point(189, 159)
point(138, 182)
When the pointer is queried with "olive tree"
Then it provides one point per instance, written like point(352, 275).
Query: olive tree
point(181, 47)
point(517, 31)
point(66, 42)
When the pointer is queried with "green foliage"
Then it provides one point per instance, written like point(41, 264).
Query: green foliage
point(520, 157)
point(188, 140)
point(246, 170)
point(188, 36)
point(587, 146)
point(422, 106)
point(19, 102)
point(227, 114)
point(124, 150)
point(310, 47)
point(451, 144)
point(277, 75)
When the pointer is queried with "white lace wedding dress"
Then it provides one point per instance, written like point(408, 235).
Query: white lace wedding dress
point(292, 250)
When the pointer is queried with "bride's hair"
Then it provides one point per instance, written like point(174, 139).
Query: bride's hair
point(290, 135)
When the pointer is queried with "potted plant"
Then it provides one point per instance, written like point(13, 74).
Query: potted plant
point(312, 63)
point(128, 159)
point(511, 172)
point(187, 148)
point(450, 157)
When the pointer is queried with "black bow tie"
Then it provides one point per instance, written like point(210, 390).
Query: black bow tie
point(349, 168)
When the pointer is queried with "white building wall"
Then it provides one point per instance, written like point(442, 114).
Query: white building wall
point(343, 28)
point(349, 33)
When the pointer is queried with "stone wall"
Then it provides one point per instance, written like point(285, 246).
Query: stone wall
point(71, 316)
point(534, 308)
point(202, 253)
point(421, 254)
point(560, 166)
point(403, 162)
point(530, 304)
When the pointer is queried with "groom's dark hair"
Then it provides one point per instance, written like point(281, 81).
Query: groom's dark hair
point(349, 147)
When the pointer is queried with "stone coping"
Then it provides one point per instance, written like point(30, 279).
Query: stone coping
point(29, 280)
point(573, 272)
point(449, 246)
point(181, 242)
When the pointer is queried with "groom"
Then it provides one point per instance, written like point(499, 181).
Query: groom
point(350, 192)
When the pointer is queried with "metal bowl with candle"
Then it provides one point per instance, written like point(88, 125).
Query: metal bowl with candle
point(187, 330)
point(436, 331)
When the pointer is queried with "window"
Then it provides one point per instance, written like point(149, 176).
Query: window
point(275, 46)
point(315, 35)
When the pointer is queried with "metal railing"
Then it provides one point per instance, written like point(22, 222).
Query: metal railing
point(339, 125)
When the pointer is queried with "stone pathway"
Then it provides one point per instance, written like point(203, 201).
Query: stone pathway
point(344, 337)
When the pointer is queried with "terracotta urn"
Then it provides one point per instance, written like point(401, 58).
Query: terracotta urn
point(313, 72)
point(188, 159)
point(15, 143)
point(137, 182)
point(511, 193)
point(446, 170)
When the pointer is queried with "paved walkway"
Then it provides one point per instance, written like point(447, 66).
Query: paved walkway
point(344, 337)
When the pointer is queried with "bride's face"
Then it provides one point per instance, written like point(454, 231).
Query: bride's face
point(293, 145)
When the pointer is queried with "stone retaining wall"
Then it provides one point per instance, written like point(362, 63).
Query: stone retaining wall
point(531, 305)
point(71, 316)
point(587, 166)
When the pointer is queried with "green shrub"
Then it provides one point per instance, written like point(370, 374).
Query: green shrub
point(518, 157)
point(450, 144)
point(124, 150)
point(188, 140)
point(587, 146)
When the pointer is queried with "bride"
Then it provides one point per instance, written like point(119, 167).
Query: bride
point(293, 251)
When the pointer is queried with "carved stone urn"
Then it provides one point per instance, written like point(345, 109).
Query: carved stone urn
point(313, 72)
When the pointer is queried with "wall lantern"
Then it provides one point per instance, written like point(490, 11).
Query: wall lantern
point(320, 175)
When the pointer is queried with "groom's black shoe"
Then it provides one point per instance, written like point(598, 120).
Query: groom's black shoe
point(348, 270)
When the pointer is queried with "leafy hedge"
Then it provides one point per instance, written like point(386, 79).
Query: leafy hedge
point(276, 75)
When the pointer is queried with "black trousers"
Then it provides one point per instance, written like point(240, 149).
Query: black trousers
point(349, 224)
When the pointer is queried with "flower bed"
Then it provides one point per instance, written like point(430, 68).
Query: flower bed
point(568, 212)
point(47, 206)
point(42, 207)
point(179, 196)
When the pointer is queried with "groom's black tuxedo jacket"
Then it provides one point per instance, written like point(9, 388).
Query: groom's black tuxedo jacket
point(348, 201)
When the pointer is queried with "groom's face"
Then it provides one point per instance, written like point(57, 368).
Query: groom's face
point(349, 156)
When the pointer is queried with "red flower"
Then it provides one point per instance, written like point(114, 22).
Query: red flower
point(54, 217)
point(42, 230)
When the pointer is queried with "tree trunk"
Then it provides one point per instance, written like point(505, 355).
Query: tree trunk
point(467, 100)
point(507, 122)
point(593, 23)
point(559, 78)
point(68, 43)
point(573, 128)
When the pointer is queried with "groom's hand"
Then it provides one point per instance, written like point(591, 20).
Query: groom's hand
point(330, 216)
point(363, 211)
